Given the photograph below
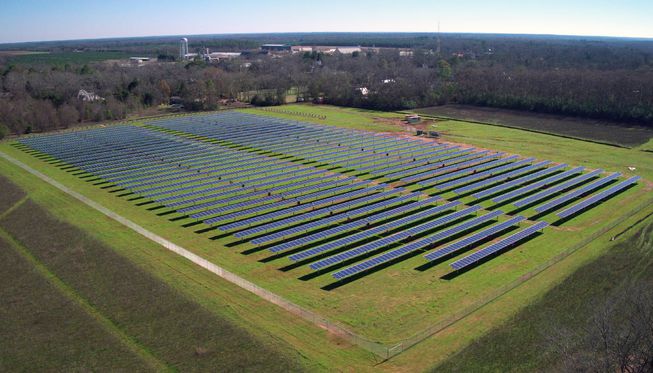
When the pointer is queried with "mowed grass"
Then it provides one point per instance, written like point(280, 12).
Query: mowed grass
point(523, 343)
point(359, 119)
point(593, 130)
point(41, 329)
point(10, 196)
point(175, 330)
point(390, 304)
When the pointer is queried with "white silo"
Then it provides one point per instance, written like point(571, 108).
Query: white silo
point(183, 48)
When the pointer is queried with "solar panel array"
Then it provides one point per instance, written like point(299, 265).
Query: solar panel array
point(324, 196)
point(598, 197)
point(496, 247)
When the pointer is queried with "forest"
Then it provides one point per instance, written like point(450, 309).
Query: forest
point(604, 78)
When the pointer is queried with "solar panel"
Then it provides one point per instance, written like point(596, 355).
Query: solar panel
point(404, 249)
point(496, 247)
point(499, 178)
point(576, 193)
point(517, 182)
point(598, 197)
point(467, 241)
point(442, 170)
point(477, 175)
point(397, 237)
point(301, 241)
point(537, 185)
point(465, 171)
point(348, 240)
point(356, 196)
point(428, 164)
point(321, 212)
point(307, 197)
point(557, 188)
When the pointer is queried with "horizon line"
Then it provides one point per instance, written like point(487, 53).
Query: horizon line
point(103, 38)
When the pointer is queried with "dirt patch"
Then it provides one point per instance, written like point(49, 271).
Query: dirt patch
point(623, 134)
point(424, 125)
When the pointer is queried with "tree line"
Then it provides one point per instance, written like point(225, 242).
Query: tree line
point(599, 79)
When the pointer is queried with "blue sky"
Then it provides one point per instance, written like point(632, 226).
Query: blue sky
point(32, 20)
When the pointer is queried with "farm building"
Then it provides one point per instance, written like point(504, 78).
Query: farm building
point(276, 47)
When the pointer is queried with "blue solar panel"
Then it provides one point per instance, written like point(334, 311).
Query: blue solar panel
point(467, 241)
point(557, 188)
point(576, 193)
point(290, 210)
point(537, 185)
point(499, 178)
point(321, 212)
point(598, 197)
point(517, 182)
point(404, 169)
point(478, 175)
point(435, 180)
point(301, 241)
point(496, 247)
point(444, 170)
point(402, 250)
point(373, 231)
point(295, 200)
point(397, 237)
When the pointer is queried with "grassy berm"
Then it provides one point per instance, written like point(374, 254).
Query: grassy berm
point(161, 326)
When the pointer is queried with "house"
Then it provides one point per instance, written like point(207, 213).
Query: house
point(88, 96)
point(349, 50)
point(301, 49)
point(218, 56)
point(364, 91)
point(139, 61)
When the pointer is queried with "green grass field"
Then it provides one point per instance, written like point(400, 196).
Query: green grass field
point(359, 119)
point(160, 325)
point(62, 58)
point(397, 302)
point(42, 329)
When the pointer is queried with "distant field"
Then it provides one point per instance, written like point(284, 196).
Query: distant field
point(393, 303)
point(594, 130)
point(62, 58)
point(19, 53)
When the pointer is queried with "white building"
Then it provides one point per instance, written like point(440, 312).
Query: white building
point(88, 96)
